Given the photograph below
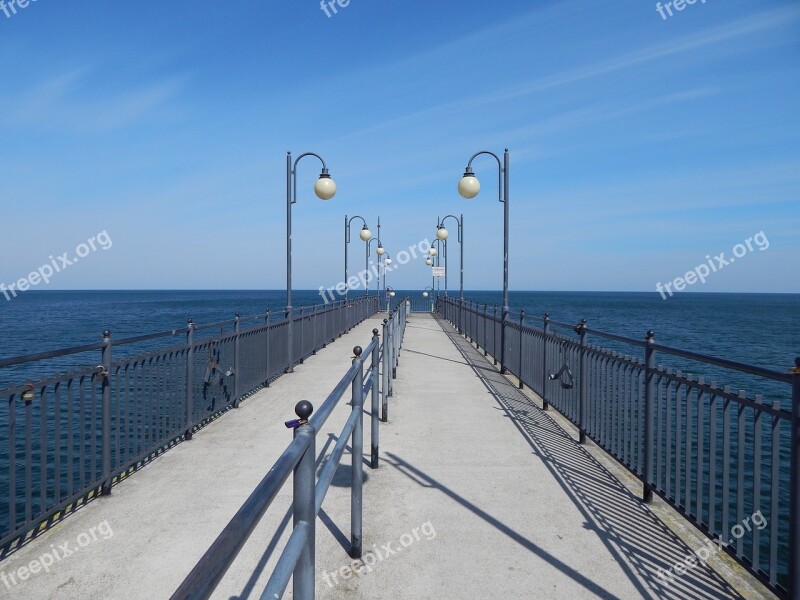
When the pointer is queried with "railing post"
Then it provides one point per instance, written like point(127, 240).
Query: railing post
point(582, 384)
point(266, 352)
point(385, 376)
point(290, 340)
point(375, 438)
point(189, 379)
point(106, 486)
point(356, 498)
point(302, 332)
point(237, 332)
point(794, 508)
point(521, 325)
point(314, 330)
point(649, 382)
point(545, 328)
point(485, 318)
point(494, 335)
point(304, 506)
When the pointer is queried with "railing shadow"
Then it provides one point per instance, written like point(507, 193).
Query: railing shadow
point(641, 543)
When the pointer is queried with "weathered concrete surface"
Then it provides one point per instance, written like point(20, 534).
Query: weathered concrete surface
point(490, 495)
point(165, 516)
point(518, 508)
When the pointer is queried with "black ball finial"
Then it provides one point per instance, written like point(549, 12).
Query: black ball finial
point(651, 334)
point(357, 351)
point(106, 334)
point(385, 321)
point(375, 332)
point(303, 409)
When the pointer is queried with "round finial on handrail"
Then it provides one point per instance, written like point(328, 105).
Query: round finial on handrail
point(106, 334)
point(651, 335)
point(357, 351)
point(385, 321)
point(375, 332)
point(546, 315)
point(303, 409)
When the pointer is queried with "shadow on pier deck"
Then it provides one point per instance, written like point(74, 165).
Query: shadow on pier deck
point(479, 494)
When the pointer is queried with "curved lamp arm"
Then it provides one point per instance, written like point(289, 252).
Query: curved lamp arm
point(499, 166)
point(294, 170)
point(347, 225)
point(460, 225)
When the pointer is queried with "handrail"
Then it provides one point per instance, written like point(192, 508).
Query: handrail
point(177, 389)
point(297, 313)
point(706, 450)
point(297, 560)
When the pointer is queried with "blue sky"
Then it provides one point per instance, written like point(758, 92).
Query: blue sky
point(638, 145)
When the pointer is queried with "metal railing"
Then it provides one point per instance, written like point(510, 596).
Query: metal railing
point(716, 455)
point(298, 557)
point(66, 438)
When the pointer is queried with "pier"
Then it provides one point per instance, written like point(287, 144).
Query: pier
point(472, 487)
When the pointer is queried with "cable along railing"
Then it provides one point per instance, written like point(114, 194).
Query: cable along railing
point(66, 438)
point(718, 455)
point(297, 562)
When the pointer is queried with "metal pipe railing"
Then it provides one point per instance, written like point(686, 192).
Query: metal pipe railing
point(297, 561)
point(715, 454)
point(65, 437)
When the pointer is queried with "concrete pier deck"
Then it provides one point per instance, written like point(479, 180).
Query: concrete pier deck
point(479, 494)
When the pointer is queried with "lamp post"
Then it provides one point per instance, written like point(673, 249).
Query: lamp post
point(442, 234)
point(325, 189)
point(425, 294)
point(387, 261)
point(435, 252)
point(468, 187)
point(365, 234)
point(390, 293)
point(379, 251)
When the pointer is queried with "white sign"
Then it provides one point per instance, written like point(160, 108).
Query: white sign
point(438, 271)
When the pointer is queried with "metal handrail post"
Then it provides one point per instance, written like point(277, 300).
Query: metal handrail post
point(544, 361)
point(647, 430)
point(521, 325)
point(583, 387)
point(189, 365)
point(106, 486)
point(236, 344)
point(357, 488)
point(794, 506)
point(385, 374)
point(375, 437)
point(304, 510)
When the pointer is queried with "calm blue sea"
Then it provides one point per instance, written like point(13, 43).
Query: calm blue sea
point(755, 328)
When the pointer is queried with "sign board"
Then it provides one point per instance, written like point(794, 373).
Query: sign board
point(438, 271)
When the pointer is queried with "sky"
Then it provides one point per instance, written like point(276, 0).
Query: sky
point(641, 145)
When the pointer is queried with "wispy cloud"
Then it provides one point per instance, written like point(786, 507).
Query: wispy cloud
point(69, 102)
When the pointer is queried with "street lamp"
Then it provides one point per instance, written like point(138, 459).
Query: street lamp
point(442, 234)
point(365, 234)
point(435, 257)
point(379, 251)
point(429, 261)
point(425, 294)
point(468, 187)
point(325, 189)
point(390, 293)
